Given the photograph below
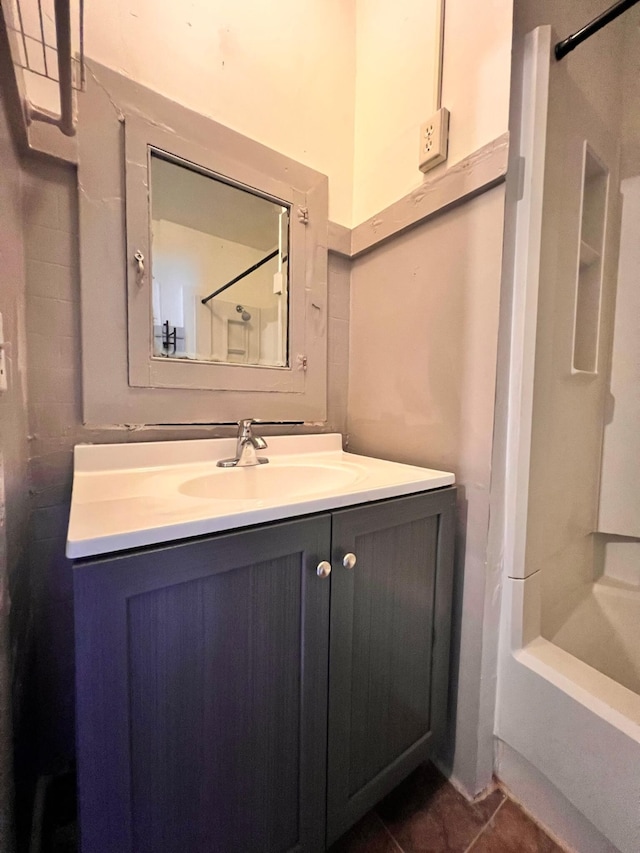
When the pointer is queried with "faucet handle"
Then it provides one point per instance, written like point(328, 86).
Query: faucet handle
point(246, 446)
point(244, 432)
point(244, 427)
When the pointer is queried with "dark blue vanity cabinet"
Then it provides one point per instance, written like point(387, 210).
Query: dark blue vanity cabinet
point(231, 700)
point(389, 647)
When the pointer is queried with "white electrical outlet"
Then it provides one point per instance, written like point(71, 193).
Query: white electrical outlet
point(434, 140)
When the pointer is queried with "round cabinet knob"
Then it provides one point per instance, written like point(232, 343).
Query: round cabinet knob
point(349, 561)
point(324, 569)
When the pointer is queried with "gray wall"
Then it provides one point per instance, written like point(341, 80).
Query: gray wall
point(424, 336)
point(14, 576)
point(55, 424)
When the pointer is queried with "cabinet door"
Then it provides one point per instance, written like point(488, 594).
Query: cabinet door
point(202, 694)
point(389, 647)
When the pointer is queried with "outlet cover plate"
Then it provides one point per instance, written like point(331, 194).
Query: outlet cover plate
point(434, 140)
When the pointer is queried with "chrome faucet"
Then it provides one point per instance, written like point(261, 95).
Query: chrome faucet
point(246, 447)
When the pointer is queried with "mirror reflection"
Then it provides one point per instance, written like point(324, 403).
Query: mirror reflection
point(219, 269)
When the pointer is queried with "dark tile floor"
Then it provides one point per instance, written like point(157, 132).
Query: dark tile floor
point(426, 814)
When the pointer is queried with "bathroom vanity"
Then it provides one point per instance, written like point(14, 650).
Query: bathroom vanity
point(253, 673)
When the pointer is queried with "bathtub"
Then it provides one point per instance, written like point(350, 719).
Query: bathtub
point(573, 725)
point(568, 705)
point(603, 631)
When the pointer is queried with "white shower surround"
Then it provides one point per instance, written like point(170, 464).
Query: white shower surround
point(572, 733)
point(603, 631)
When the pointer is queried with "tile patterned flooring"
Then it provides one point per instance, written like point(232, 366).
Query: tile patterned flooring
point(425, 814)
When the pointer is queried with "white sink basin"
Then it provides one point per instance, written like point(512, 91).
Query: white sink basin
point(132, 495)
point(262, 482)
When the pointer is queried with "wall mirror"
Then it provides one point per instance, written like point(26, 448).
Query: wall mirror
point(203, 264)
point(217, 261)
point(219, 268)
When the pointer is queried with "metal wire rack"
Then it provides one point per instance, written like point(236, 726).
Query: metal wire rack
point(36, 49)
point(47, 40)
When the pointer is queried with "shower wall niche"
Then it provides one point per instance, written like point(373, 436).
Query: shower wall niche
point(586, 327)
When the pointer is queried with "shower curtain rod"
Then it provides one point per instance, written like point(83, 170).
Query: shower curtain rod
point(241, 276)
point(567, 45)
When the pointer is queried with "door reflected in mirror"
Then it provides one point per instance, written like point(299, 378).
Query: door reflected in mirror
point(219, 269)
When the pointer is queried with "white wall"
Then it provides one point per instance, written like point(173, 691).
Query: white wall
point(476, 72)
point(281, 73)
point(396, 75)
point(339, 85)
point(397, 47)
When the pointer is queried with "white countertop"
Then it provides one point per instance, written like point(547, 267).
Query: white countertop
point(131, 495)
